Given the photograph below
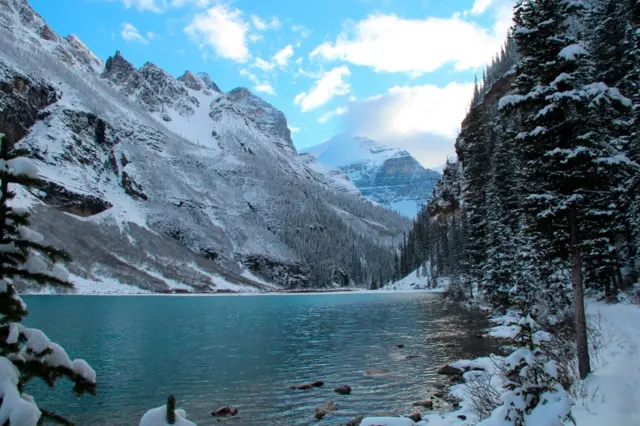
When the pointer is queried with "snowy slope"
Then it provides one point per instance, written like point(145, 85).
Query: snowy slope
point(161, 174)
point(387, 175)
point(332, 175)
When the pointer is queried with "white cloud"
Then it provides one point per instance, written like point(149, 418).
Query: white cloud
point(302, 30)
point(223, 30)
point(294, 129)
point(263, 65)
point(299, 97)
point(156, 6)
point(259, 86)
point(265, 88)
point(480, 6)
point(150, 35)
point(130, 33)
point(160, 6)
point(255, 37)
point(327, 116)
point(394, 44)
point(282, 57)
point(264, 25)
point(422, 119)
point(329, 85)
point(197, 3)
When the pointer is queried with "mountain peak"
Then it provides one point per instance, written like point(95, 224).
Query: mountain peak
point(190, 81)
point(117, 64)
point(206, 78)
point(387, 175)
point(239, 93)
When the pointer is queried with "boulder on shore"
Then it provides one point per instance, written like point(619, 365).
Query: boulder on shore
point(425, 404)
point(449, 370)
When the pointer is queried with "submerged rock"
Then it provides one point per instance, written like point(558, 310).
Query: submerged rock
point(306, 386)
point(377, 372)
point(325, 409)
point(343, 390)
point(225, 411)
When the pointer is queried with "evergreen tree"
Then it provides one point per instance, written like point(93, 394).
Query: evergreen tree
point(534, 396)
point(27, 353)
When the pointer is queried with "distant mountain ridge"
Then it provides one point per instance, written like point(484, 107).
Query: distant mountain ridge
point(389, 176)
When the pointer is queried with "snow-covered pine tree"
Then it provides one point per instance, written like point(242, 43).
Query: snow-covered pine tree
point(472, 147)
point(533, 394)
point(27, 353)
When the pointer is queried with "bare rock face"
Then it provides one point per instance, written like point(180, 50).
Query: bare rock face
point(206, 78)
point(21, 100)
point(191, 81)
point(241, 102)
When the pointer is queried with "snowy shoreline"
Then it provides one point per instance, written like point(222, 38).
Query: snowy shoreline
point(609, 395)
point(241, 294)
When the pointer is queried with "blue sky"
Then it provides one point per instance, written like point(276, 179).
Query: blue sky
point(398, 71)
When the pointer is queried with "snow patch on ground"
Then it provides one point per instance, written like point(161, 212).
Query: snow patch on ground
point(415, 282)
point(612, 391)
point(94, 286)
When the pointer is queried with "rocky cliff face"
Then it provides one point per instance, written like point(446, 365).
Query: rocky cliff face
point(173, 185)
point(386, 175)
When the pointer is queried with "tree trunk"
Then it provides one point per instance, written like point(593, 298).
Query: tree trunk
point(584, 364)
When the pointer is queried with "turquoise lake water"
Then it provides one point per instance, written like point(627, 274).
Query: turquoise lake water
point(246, 350)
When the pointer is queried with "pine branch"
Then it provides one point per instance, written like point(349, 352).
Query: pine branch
point(40, 278)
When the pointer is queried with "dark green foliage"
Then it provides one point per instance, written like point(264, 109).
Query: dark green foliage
point(24, 258)
point(553, 126)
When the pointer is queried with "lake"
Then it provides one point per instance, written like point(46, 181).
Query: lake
point(246, 350)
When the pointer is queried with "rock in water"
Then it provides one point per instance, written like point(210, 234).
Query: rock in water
point(400, 346)
point(325, 409)
point(377, 372)
point(355, 421)
point(306, 386)
point(343, 390)
point(425, 404)
point(448, 370)
point(225, 411)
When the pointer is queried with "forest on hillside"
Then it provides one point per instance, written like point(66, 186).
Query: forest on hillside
point(548, 164)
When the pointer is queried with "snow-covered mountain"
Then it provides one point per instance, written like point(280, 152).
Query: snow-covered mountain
point(389, 176)
point(169, 184)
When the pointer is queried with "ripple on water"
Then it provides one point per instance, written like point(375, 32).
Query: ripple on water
point(246, 351)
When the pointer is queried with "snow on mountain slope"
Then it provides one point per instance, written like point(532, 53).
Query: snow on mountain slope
point(332, 175)
point(19, 20)
point(389, 176)
point(165, 183)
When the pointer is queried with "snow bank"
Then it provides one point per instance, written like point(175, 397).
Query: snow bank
point(157, 417)
point(389, 421)
point(414, 282)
